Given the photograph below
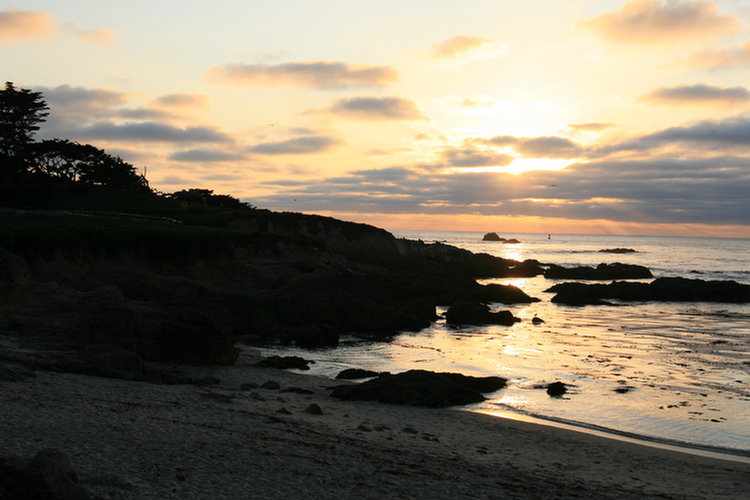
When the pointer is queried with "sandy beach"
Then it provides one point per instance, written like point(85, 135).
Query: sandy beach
point(135, 440)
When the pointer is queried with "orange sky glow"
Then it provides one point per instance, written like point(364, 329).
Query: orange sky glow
point(547, 116)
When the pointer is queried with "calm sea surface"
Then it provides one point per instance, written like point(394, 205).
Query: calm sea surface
point(675, 373)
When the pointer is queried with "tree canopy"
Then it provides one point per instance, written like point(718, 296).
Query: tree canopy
point(58, 160)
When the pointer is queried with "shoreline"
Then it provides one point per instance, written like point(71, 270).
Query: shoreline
point(134, 440)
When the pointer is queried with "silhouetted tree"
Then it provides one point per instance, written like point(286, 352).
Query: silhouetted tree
point(206, 197)
point(86, 165)
point(21, 110)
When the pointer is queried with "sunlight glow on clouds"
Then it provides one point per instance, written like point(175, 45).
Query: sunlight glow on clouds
point(376, 108)
point(25, 25)
point(666, 22)
point(313, 74)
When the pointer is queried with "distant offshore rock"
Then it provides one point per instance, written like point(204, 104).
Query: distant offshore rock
point(617, 250)
point(495, 237)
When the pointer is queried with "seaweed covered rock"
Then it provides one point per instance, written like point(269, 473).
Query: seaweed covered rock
point(422, 388)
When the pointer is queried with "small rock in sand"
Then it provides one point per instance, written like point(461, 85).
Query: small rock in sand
point(283, 411)
point(271, 384)
point(556, 389)
point(314, 409)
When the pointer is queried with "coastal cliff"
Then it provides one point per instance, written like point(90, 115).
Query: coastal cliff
point(103, 294)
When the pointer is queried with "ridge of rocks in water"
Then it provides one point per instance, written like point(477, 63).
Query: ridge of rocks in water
point(421, 388)
point(614, 271)
point(659, 290)
point(473, 313)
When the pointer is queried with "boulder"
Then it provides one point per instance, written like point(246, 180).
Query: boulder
point(472, 313)
point(284, 362)
point(421, 388)
point(556, 389)
point(355, 373)
point(505, 294)
point(615, 271)
point(491, 237)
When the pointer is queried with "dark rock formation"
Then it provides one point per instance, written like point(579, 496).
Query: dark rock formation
point(661, 290)
point(495, 237)
point(49, 475)
point(616, 271)
point(284, 362)
point(356, 373)
point(556, 389)
point(617, 250)
point(504, 294)
point(314, 409)
point(537, 320)
point(472, 313)
point(422, 388)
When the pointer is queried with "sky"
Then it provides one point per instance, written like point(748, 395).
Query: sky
point(551, 116)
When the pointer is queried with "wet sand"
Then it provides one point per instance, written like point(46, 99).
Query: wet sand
point(134, 440)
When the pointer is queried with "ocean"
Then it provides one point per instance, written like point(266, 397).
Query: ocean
point(666, 373)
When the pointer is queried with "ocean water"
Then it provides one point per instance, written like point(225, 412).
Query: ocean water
point(671, 373)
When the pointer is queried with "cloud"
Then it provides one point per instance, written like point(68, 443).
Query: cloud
point(18, 25)
point(539, 147)
point(182, 100)
point(722, 57)
point(101, 37)
point(152, 132)
point(702, 136)
point(471, 157)
point(313, 74)
point(588, 126)
point(376, 108)
point(458, 45)
point(204, 156)
point(80, 98)
point(310, 144)
point(698, 94)
point(659, 21)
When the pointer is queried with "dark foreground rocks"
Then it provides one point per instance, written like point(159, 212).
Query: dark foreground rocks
point(473, 313)
point(178, 294)
point(660, 290)
point(422, 388)
point(49, 475)
point(284, 362)
point(615, 271)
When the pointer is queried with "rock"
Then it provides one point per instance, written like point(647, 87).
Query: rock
point(356, 373)
point(471, 313)
point(537, 320)
point(284, 362)
point(556, 389)
point(297, 390)
point(504, 294)
point(271, 385)
point(283, 411)
point(617, 250)
point(248, 386)
point(601, 272)
point(421, 388)
point(314, 409)
point(492, 237)
point(661, 289)
point(410, 430)
point(49, 475)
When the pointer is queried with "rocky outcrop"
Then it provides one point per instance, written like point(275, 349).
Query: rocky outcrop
point(422, 388)
point(495, 237)
point(617, 250)
point(504, 294)
point(616, 271)
point(473, 313)
point(661, 289)
point(284, 362)
point(355, 373)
